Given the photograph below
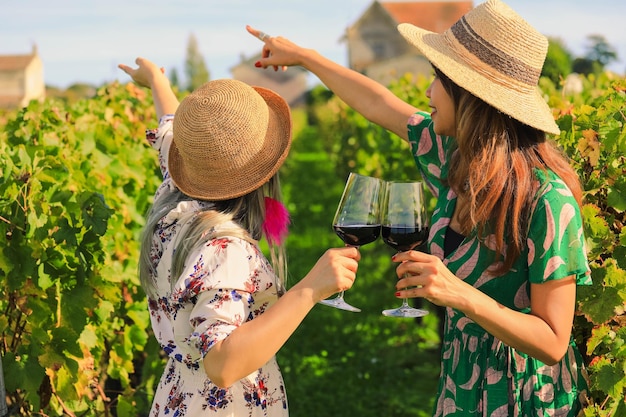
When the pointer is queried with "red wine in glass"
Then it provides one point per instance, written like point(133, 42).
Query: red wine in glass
point(404, 227)
point(404, 238)
point(357, 220)
point(358, 234)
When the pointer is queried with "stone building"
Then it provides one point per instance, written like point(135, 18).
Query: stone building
point(376, 48)
point(21, 79)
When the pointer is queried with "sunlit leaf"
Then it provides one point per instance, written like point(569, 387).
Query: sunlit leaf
point(616, 195)
point(598, 302)
point(609, 378)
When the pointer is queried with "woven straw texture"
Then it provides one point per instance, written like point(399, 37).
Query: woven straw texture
point(494, 54)
point(229, 139)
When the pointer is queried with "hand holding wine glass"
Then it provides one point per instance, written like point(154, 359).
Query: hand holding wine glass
point(404, 227)
point(357, 220)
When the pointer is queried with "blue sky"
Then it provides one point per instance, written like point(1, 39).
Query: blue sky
point(84, 40)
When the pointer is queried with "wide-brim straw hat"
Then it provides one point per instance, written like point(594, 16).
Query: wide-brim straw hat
point(229, 139)
point(494, 54)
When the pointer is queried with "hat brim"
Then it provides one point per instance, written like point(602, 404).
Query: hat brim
point(529, 108)
point(235, 182)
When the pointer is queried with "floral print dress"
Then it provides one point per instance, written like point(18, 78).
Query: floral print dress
point(225, 283)
point(480, 375)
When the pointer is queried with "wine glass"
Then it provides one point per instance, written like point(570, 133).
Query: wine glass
point(357, 220)
point(404, 226)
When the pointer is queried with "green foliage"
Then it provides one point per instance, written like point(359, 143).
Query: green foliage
point(598, 54)
point(74, 185)
point(174, 81)
point(599, 50)
point(586, 66)
point(195, 68)
point(593, 133)
point(558, 63)
point(77, 178)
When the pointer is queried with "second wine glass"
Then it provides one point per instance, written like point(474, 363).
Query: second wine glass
point(357, 220)
point(404, 227)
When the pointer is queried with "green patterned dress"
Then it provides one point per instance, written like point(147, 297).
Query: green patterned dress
point(480, 375)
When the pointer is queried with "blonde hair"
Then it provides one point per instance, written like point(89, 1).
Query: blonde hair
point(245, 213)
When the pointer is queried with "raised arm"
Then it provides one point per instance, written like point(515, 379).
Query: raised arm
point(149, 75)
point(373, 100)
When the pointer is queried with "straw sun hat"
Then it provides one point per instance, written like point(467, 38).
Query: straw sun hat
point(494, 54)
point(229, 139)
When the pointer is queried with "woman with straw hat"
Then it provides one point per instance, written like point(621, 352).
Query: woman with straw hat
point(217, 307)
point(506, 242)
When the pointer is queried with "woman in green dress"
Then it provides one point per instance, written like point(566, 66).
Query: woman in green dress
point(506, 245)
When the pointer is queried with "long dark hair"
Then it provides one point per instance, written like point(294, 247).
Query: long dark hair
point(492, 169)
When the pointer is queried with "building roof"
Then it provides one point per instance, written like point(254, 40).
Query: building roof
point(16, 62)
point(435, 16)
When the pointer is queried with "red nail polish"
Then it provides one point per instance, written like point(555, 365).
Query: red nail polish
point(257, 64)
point(397, 293)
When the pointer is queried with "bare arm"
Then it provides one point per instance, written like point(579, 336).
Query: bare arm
point(147, 74)
point(373, 100)
point(232, 358)
point(543, 334)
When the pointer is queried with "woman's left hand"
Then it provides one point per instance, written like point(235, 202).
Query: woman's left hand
point(424, 275)
point(145, 73)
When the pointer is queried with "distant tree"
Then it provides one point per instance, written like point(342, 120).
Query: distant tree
point(558, 62)
point(599, 53)
point(586, 66)
point(599, 50)
point(73, 93)
point(195, 68)
point(174, 79)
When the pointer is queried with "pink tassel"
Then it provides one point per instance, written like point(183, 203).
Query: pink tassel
point(275, 226)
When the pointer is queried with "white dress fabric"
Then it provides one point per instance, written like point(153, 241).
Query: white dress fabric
point(225, 283)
